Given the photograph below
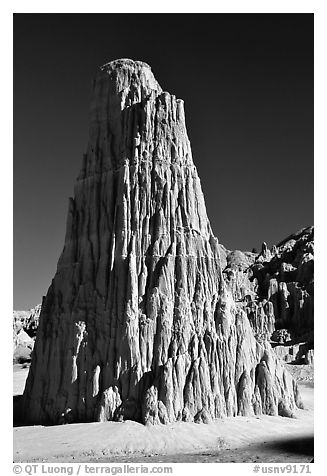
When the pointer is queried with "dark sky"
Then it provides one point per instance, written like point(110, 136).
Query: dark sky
point(247, 82)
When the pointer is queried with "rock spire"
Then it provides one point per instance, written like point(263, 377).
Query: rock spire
point(138, 322)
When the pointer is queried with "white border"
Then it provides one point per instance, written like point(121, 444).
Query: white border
point(60, 6)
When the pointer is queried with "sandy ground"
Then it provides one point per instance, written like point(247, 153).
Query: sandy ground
point(20, 376)
point(241, 439)
point(302, 373)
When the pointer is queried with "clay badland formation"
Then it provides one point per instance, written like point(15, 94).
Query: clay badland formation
point(25, 324)
point(276, 288)
point(140, 322)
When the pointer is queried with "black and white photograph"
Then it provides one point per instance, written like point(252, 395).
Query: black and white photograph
point(163, 240)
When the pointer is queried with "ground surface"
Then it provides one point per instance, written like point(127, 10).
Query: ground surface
point(301, 373)
point(241, 439)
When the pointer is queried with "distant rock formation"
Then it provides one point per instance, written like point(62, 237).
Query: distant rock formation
point(138, 322)
point(20, 320)
point(27, 320)
point(275, 288)
point(25, 324)
point(287, 280)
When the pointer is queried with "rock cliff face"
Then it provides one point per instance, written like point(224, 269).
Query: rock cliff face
point(285, 276)
point(138, 322)
point(275, 288)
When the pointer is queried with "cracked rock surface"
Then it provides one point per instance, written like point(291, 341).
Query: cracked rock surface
point(138, 322)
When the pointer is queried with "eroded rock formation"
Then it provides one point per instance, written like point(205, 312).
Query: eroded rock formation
point(138, 322)
point(275, 288)
point(27, 320)
point(285, 277)
point(25, 324)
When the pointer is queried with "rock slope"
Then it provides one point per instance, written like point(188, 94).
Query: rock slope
point(138, 322)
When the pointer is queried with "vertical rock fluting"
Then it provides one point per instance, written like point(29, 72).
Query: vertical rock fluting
point(137, 323)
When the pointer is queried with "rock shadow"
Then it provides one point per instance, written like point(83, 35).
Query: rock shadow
point(298, 446)
point(17, 411)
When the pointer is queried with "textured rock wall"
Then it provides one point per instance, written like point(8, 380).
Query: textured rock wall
point(138, 322)
point(238, 276)
point(275, 288)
